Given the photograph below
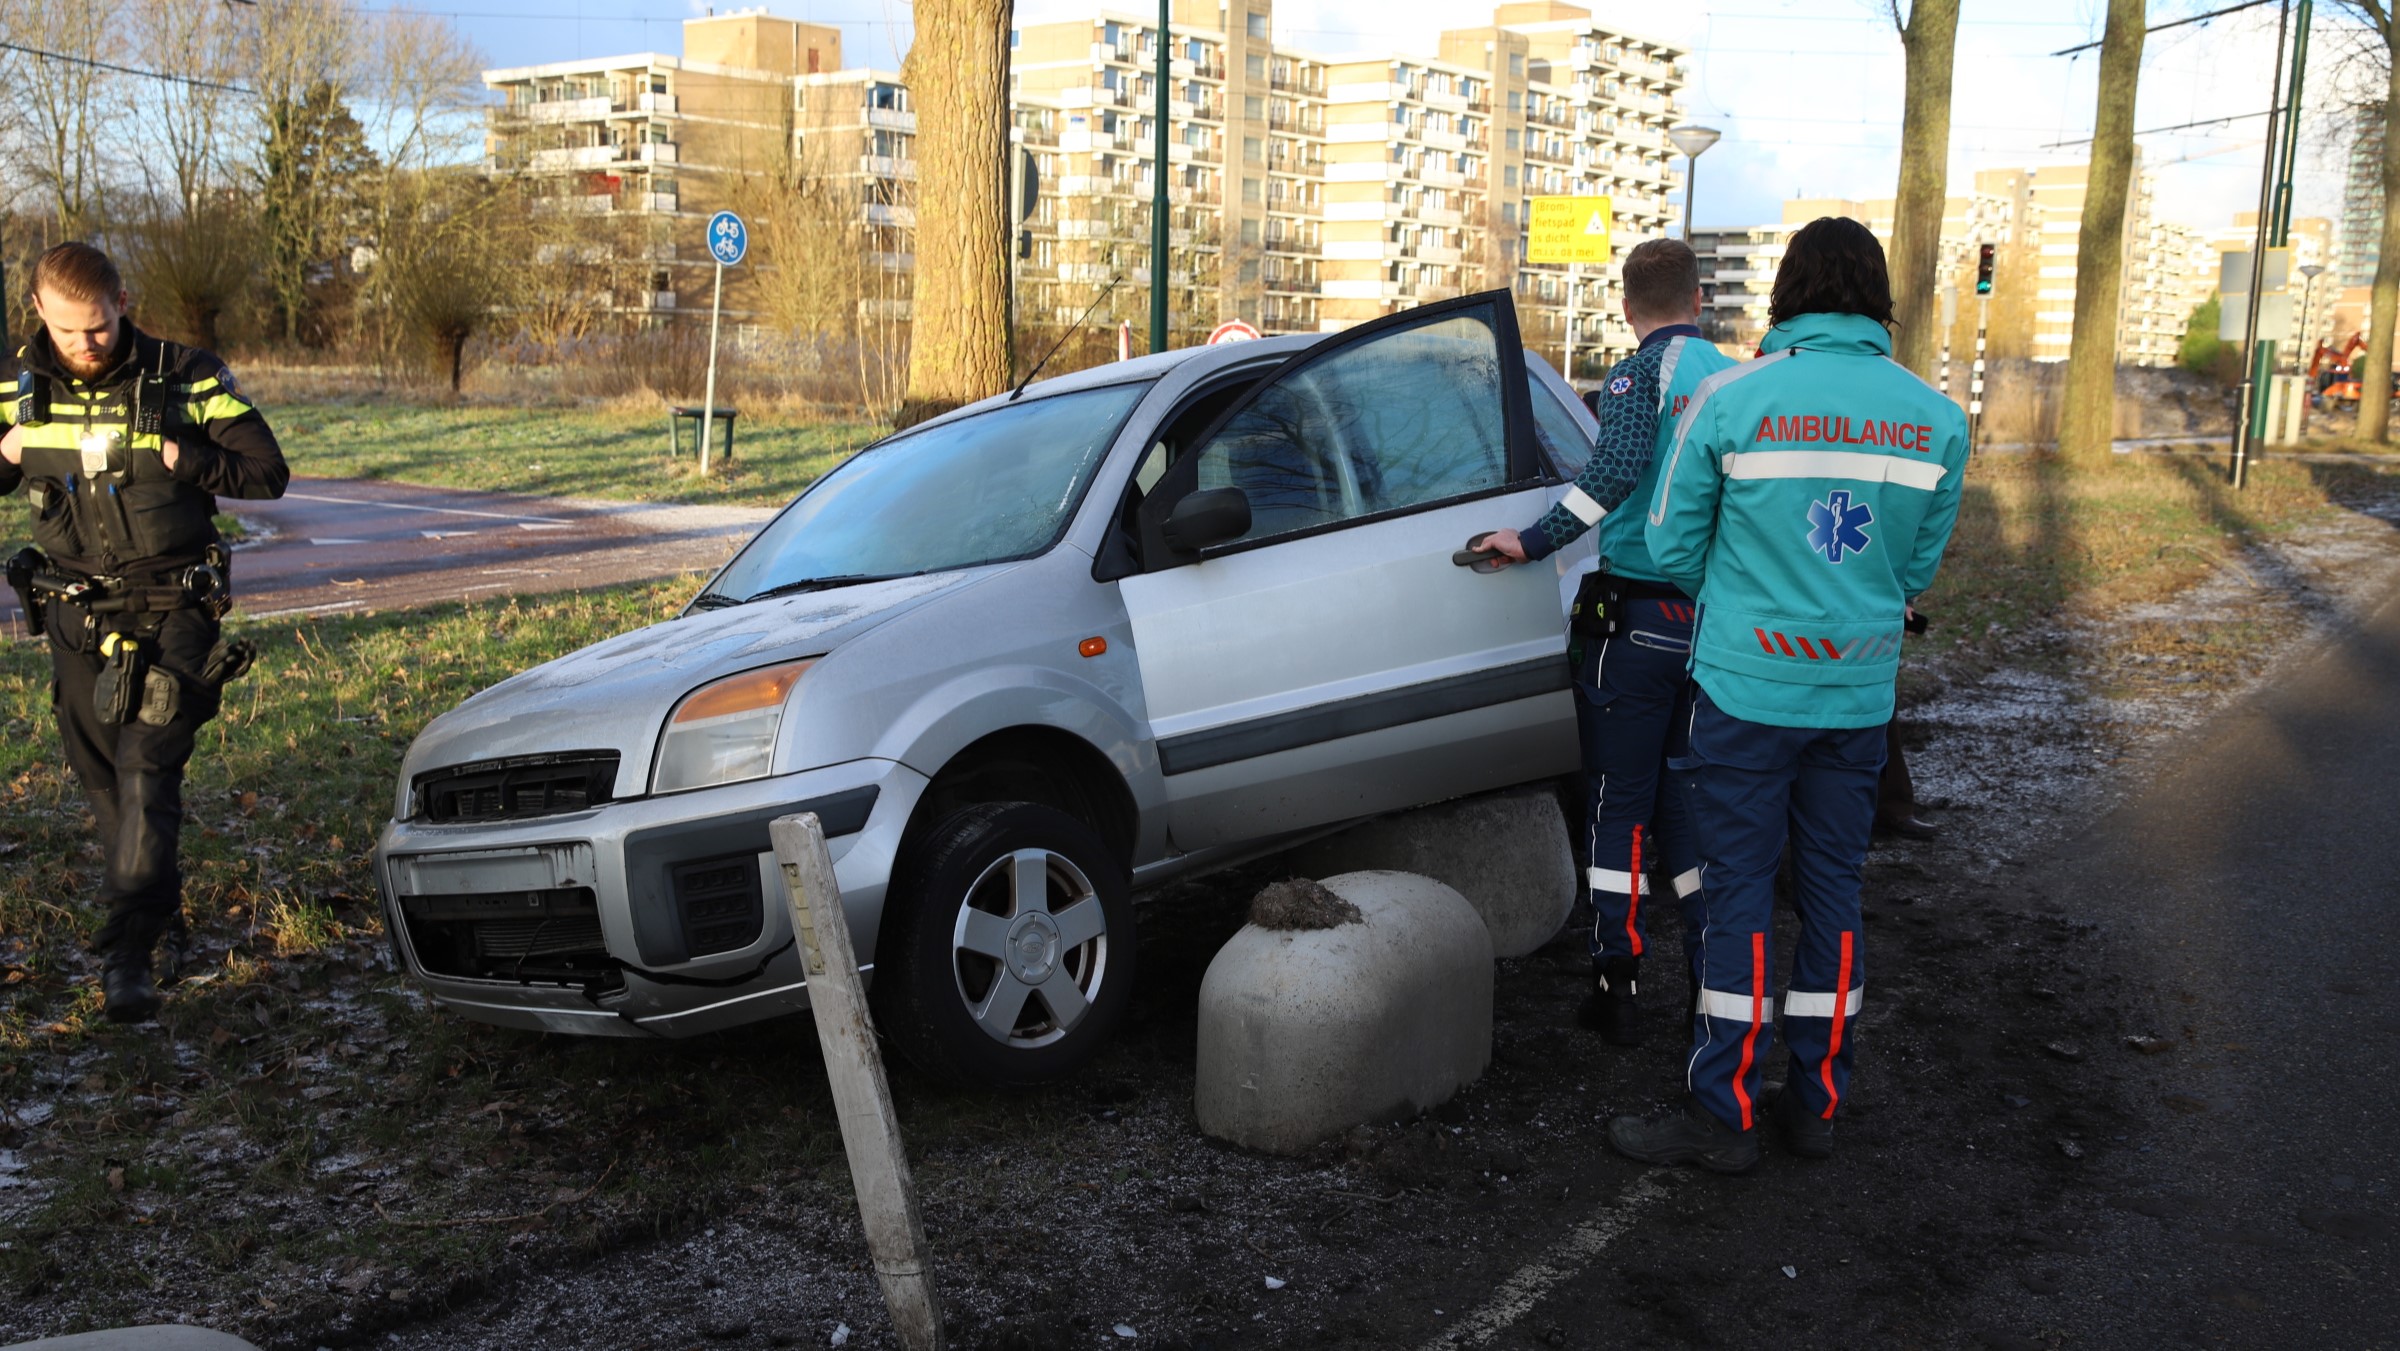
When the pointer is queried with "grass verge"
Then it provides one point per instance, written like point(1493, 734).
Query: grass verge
point(603, 453)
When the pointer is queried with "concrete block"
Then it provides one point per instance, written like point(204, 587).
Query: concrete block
point(1506, 852)
point(157, 1337)
point(1305, 1033)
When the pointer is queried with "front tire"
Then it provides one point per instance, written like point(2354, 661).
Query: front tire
point(1007, 952)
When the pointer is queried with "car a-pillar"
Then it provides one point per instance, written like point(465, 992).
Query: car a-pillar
point(1006, 953)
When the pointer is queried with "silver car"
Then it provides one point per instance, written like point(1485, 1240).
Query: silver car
point(1022, 660)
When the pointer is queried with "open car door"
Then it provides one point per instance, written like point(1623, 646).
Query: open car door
point(1329, 661)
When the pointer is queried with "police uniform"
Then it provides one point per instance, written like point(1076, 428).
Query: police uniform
point(1807, 498)
point(1631, 642)
point(129, 584)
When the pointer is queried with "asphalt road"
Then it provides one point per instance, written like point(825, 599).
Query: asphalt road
point(331, 545)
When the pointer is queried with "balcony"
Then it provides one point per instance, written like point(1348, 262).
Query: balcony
point(654, 300)
point(656, 103)
point(652, 201)
point(1443, 177)
point(878, 213)
point(568, 110)
point(656, 152)
point(892, 119)
point(1444, 98)
point(887, 166)
point(1443, 140)
point(574, 157)
point(1440, 215)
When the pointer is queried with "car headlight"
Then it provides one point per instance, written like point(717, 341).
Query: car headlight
point(724, 731)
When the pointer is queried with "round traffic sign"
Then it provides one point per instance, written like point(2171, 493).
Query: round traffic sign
point(1233, 330)
point(728, 238)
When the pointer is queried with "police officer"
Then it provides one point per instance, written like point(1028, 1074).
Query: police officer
point(1806, 501)
point(122, 443)
point(1631, 633)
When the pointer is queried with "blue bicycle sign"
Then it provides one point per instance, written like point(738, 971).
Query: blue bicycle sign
point(728, 238)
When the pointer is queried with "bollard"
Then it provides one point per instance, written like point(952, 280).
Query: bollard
point(862, 1095)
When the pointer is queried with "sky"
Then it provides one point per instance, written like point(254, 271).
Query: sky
point(1807, 92)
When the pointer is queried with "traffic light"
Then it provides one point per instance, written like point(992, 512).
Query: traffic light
point(1983, 269)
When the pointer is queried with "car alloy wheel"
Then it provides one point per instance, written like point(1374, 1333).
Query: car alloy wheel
point(1007, 949)
point(1030, 948)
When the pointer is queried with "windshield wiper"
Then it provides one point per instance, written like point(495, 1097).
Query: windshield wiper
point(714, 600)
point(823, 584)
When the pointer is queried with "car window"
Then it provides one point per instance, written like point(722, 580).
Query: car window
point(983, 489)
point(1406, 418)
point(1563, 438)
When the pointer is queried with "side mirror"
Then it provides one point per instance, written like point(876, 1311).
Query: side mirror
point(1209, 517)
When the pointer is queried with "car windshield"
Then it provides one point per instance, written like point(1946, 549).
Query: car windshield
point(983, 489)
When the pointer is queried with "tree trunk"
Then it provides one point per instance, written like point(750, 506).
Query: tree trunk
point(2372, 366)
point(1931, 43)
point(958, 70)
point(2088, 413)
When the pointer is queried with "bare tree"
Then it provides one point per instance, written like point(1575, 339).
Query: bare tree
point(958, 70)
point(1929, 38)
point(62, 103)
point(2087, 415)
point(313, 155)
point(2374, 387)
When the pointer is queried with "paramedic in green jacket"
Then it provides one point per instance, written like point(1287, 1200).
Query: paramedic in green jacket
point(1631, 633)
point(1806, 500)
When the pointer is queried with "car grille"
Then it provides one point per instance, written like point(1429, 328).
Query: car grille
point(549, 937)
point(503, 790)
point(720, 902)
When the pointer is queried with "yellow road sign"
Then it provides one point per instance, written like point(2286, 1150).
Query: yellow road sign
point(1568, 230)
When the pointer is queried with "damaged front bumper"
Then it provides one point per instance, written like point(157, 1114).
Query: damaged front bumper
point(659, 916)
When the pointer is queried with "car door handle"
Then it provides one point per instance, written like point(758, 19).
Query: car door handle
point(1480, 559)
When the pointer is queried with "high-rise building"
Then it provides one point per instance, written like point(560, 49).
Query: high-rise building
point(1307, 194)
point(2362, 200)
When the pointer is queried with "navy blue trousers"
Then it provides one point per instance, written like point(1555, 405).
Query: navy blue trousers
point(1750, 787)
point(1633, 701)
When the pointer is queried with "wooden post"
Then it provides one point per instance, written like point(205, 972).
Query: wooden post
point(862, 1096)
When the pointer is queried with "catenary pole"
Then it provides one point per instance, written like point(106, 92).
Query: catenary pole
point(2258, 261)
point(1158, 192)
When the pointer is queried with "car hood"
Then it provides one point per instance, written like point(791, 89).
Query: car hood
point(614, 695)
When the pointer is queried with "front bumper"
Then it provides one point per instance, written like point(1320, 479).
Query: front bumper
point(638, 869)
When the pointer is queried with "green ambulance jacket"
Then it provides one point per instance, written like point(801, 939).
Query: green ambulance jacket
point(1624, 543)
point(1806, 500)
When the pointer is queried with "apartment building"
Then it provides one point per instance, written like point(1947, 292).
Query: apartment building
point(1306, 194)
point(646, 139)
point(2306, 315)
point(2362, 200)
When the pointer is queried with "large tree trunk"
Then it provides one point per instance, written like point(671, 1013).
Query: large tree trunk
point(958, 69)
point(2088, 413)
point(2374, 385)
point(1931, 42)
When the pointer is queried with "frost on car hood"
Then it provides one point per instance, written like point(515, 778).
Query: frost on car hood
point(614, 694)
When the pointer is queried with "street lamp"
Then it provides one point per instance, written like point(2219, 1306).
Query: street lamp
point(2309, 272)
point(1691, 139)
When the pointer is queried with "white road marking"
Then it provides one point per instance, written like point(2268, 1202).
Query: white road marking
point(448, 534)
point(1520, 1293)
point(542, 525)
point(337, 541)
point(410, 506)
point(307, 610)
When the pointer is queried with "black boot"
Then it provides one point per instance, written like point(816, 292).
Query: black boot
point(1609, 1009)
point(1689, 1135)
point(125, 980)
point(1804, 1132)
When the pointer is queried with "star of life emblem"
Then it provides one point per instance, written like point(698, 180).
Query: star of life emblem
point(1837, 526)
point(1621, 384)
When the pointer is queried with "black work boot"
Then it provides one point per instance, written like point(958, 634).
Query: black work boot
point(1804, 1132)
point(125, 981)
point(1609, 1009)
point(1690, 1134)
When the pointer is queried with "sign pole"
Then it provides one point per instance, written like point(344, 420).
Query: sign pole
point(728, 241)
point(1574, 273)
point(708, 399)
